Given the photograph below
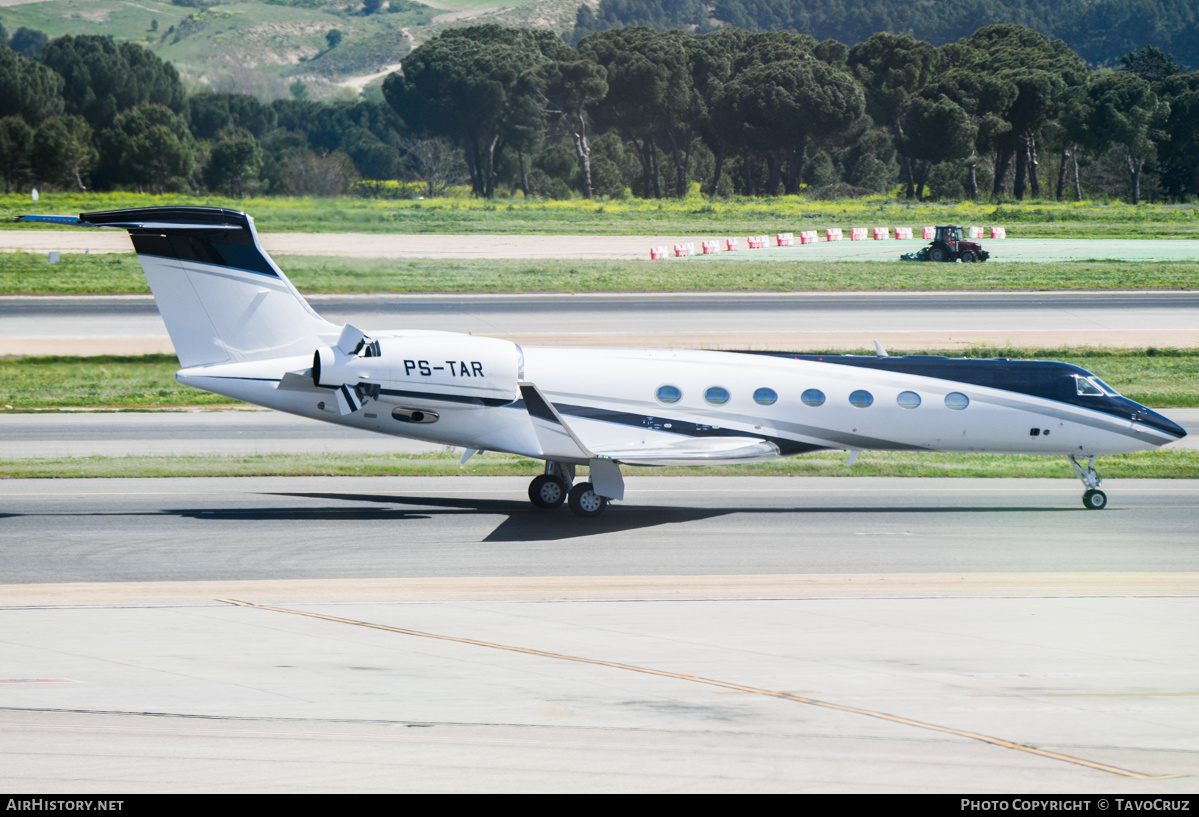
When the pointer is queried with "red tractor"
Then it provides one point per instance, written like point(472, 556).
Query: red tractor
point(948, 245)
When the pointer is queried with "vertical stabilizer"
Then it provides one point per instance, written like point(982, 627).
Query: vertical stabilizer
point(221, 296)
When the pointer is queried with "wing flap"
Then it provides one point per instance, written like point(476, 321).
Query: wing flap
point(695, 451)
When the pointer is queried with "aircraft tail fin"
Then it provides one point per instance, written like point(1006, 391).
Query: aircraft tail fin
point(221, 296)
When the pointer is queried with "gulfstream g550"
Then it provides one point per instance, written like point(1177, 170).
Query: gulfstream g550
point(241, 329)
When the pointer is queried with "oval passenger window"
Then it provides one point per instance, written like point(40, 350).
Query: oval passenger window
point(669, 394)
point(716, 395)
point(765, 397)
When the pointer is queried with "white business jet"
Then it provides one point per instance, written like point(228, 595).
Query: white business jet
point(242, 330)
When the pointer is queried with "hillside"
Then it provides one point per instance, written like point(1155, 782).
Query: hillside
point(261, 47)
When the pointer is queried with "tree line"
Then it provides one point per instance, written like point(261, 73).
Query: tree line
point(1099, 31)
point(1005, 111)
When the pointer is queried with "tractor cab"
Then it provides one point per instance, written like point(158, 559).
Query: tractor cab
point(951, 234)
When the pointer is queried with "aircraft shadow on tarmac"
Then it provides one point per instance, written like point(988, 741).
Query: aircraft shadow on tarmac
point(524, 523)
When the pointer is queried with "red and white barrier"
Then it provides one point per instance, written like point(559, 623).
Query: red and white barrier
point(809, 237)
point(657, 252)
point(903, 232)
point(756, 242)
point(998, 232)
point(730, 244)
point(881, 234)
point(684, 250)
point(857, 234)
point(710, 248)
point(833, 234)
point(930, 232)
point(976, 232)
point(784, 239)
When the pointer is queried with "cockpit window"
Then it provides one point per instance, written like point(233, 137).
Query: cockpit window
point(1086, 387)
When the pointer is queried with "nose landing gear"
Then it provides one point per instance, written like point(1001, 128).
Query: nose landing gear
point(1093, 499)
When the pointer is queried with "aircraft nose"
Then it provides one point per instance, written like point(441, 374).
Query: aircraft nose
point(1152, 419)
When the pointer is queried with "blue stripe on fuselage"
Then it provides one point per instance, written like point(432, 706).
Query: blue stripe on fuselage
point(1048, 379)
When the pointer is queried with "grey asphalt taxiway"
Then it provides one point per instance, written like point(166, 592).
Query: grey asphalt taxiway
point(709, 634)
point(131, 324)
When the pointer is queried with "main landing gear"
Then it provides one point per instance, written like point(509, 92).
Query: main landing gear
point(1093, 499)
point(553, 488)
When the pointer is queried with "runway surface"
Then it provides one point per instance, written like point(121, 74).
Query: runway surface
point(260, 528)
point(707, 635)
point(918, 320)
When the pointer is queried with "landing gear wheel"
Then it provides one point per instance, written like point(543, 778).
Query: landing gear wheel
point(547, 491)
point(937, 254)
point(1094, 500)
point(584, 501)
point(968, 257)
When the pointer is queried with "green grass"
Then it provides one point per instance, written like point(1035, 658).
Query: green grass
point(30, 273)
point(1163, 464)
point(690, 216)
point(107, 382)
point(1160, 378)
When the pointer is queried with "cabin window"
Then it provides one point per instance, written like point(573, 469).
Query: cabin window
point(1086, 388)
point(908, 400)
point(812, 397)
point(669, 394)
point(766, 397)
point(956, 400)
point(861, 398)
point(717, 395)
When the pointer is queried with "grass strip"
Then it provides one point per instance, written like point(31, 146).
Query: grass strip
point(119, 274)
point(1159, 378)
point(629, 216)
point(1161, 464)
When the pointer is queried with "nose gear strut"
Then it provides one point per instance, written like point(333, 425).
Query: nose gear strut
point(1093, 499)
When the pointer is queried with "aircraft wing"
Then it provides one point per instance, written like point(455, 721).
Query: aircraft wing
point(560, 439)
point(693, 451)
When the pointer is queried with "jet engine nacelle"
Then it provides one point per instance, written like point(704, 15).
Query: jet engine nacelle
point(434, 367)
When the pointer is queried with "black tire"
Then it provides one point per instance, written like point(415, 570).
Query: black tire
point(584, 501)
point(1094, 500)
point(968, 257)
point(547, 492)
point(937, 253)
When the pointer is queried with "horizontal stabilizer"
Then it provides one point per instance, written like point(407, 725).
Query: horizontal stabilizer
point(71, 221)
